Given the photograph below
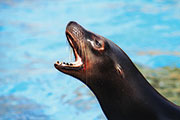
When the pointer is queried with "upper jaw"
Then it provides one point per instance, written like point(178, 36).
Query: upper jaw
point(74, 43)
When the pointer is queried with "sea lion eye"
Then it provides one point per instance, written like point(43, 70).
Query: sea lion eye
point(98, 44)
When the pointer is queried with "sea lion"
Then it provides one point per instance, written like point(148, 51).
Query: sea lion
point(122, 91)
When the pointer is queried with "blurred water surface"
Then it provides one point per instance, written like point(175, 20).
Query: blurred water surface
point(32, 38)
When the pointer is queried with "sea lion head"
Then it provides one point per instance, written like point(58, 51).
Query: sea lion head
point(95, 56)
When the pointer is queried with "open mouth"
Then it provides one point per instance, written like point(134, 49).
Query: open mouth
point(78, 64)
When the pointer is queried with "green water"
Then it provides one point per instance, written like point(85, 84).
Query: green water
point(166, 80)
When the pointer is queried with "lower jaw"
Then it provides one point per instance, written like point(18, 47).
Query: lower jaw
point(68, 66)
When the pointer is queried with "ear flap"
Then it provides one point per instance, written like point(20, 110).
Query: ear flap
point(120, 70)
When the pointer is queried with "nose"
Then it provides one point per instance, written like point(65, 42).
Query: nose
point(72, 23)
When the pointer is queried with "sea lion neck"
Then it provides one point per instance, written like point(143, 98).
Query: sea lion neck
point(133, 100)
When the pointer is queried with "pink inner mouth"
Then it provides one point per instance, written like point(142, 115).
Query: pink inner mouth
point(78, 60)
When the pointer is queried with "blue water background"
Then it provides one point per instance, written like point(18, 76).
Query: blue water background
point(32, 38)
